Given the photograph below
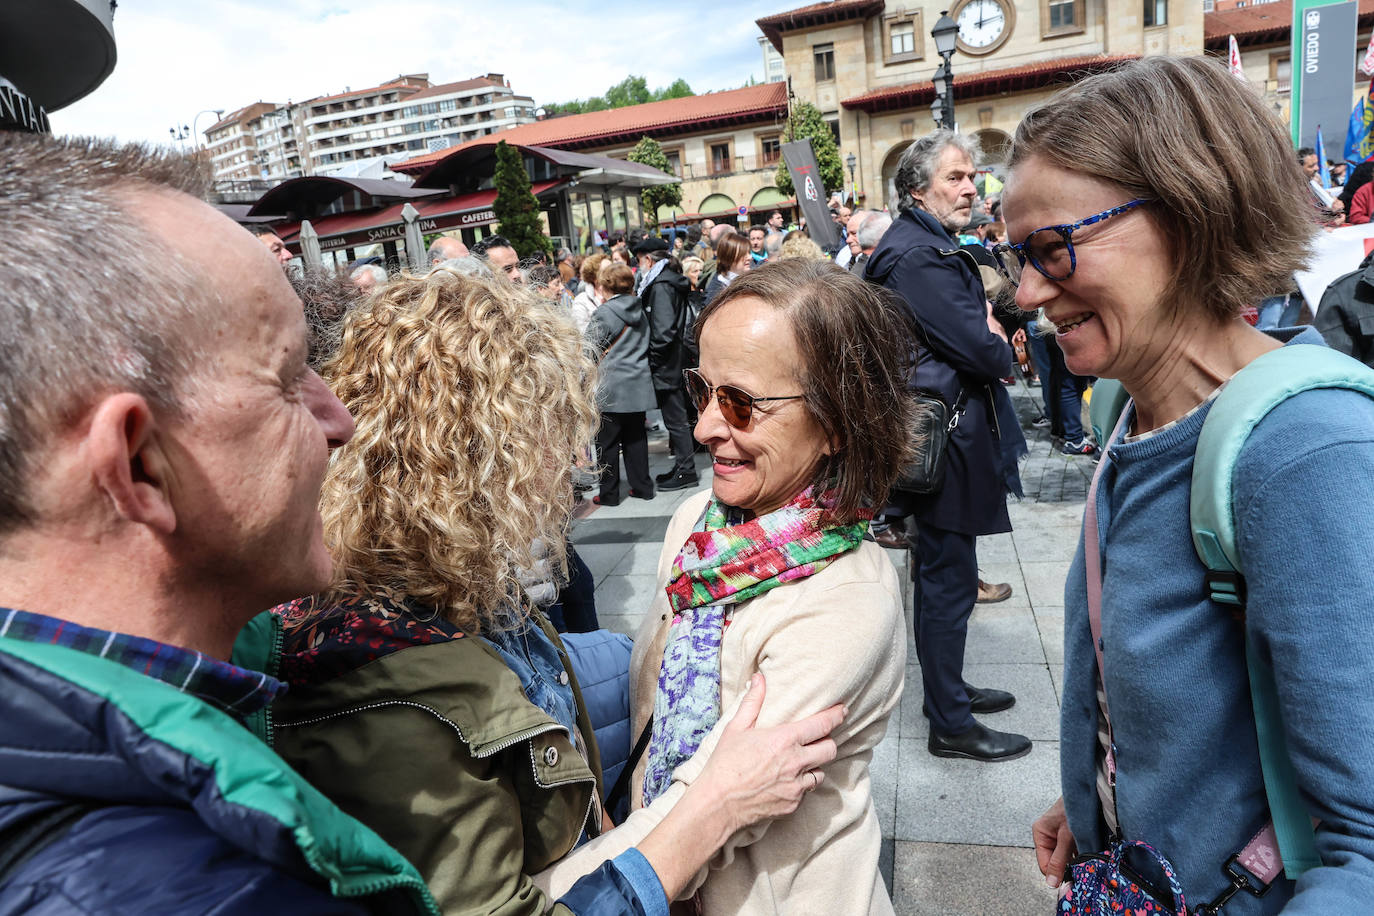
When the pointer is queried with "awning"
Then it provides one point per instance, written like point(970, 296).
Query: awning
point(348, 230)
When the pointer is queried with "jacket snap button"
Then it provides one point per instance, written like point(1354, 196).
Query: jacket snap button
point(563, 678)
point(551, 756)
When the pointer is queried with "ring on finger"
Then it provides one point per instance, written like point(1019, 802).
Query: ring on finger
point(815, 780)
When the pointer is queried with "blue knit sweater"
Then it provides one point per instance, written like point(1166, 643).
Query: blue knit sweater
point(1189, 779)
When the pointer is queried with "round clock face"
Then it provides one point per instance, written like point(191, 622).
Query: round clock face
point(981, 24)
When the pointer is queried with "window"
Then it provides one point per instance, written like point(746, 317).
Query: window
point(903, 37)
point(1156, 12)
point(1281, 72)
point(674, 162)
point(720, 158)
point(825, 62)
point(834, 121)
point(1063, 17)
point(770, 150)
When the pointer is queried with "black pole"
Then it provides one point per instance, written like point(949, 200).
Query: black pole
point(948, 113)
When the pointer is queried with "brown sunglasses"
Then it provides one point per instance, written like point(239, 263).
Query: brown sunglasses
point(736, 406)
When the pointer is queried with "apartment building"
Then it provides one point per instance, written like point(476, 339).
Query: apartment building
point(248, 144)
point(407, 116)
point(399, 118)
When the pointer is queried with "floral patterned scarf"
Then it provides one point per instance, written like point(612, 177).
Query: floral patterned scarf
point(727, 560)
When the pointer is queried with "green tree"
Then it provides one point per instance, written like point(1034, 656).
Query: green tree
point(517, 211)
point(678, 90)
point(632, 90)
point(806, 121)
point(648, 152)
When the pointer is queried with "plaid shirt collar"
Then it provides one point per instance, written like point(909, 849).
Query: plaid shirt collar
point(235, 690)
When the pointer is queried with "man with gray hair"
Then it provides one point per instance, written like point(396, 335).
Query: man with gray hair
point(963, 361)
point(162, 445)
point(865, 229)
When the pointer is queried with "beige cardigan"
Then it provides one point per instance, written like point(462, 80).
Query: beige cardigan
point(835, 637)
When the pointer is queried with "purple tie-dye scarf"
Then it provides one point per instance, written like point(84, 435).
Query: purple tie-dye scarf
point(727, 560)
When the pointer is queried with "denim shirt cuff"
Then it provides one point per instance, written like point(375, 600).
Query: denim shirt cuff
point(636, 869)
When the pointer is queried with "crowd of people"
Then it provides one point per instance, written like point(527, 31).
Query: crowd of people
point(291, 619)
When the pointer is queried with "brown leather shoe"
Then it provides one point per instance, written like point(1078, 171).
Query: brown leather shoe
point(892, 539)
point(991, 594)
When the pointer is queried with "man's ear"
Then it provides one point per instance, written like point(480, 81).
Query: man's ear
point(128, 462)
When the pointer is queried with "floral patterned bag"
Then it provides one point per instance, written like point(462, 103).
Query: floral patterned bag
point(1106, 884)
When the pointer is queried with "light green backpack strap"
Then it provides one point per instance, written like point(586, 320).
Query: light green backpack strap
point(1242, 404)
point(1109, 399)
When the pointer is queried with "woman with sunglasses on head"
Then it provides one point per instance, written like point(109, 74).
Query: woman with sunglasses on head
point(802, 398)
point(1147, 207)
point(429, 697)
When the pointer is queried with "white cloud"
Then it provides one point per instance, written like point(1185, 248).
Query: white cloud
point(177, 59)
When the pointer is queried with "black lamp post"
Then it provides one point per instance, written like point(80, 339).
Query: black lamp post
point(179, 134)
point(851, 161)
point(944, 33)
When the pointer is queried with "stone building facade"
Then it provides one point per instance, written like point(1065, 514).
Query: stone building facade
point(725, 146)
point(867, 64)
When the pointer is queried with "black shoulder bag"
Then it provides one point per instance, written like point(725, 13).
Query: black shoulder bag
point(935, 423)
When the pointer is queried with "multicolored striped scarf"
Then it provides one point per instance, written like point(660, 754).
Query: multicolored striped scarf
point(727, 560)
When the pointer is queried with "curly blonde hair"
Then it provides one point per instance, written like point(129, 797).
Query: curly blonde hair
point(472, 399)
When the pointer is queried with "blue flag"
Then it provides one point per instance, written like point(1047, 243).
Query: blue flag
point(1323, 171)
point(1359, 138)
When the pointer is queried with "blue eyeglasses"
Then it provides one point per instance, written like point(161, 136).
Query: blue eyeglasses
point(1049, 249)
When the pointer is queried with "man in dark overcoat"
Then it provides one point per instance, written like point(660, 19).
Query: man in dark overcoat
point(963, 360)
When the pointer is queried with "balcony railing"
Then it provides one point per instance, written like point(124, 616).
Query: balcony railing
point(715, 168)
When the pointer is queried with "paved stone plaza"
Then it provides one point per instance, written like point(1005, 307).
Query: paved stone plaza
point(956, 833)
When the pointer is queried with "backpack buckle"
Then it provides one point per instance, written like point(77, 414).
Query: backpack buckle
point(1226, 586)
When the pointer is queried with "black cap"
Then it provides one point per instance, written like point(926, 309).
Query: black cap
point(651, 244)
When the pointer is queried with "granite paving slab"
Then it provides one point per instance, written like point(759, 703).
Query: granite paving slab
point(955, 879)
point(944, 800)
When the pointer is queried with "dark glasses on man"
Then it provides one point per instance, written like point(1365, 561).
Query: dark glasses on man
point(736, 405)
point(1049, 249)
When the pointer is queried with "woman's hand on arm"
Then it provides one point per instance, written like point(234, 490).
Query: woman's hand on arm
point(1054, 844)
point(753, 774)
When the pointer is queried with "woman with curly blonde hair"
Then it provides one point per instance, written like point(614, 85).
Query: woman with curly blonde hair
point(429, 697)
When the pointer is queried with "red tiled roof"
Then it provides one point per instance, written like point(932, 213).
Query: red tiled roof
point(404, 81)
point(1265, 23)
point(986, 82)
point(816, 14)
point(246, 113)
point(459, 86)
point(627, 125)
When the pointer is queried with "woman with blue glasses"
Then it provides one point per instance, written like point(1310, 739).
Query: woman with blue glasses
point(1146, 207)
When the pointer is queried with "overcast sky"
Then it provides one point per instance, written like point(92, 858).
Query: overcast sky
point(178, 58)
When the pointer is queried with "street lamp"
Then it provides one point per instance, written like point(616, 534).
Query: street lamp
point(179, 134)
point(217, 112)
point(851, 160)
point(944, 33)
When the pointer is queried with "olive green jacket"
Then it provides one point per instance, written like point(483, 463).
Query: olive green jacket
point(436, 748)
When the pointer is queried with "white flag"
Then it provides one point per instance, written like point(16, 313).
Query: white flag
point(1368, 65)
point(1236, 70)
